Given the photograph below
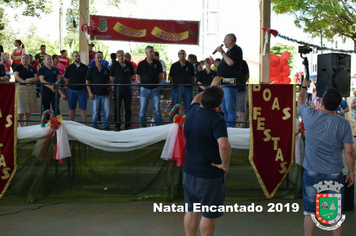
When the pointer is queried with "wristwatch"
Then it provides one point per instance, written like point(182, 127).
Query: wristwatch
point(304, 87)
point(222, 52)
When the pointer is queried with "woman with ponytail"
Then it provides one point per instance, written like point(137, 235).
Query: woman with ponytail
point(17, 53)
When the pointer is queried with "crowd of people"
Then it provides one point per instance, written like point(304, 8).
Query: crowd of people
point(208, 151)
point(52, 77)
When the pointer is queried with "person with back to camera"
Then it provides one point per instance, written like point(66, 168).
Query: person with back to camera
point(207, 159)
point(327, 136)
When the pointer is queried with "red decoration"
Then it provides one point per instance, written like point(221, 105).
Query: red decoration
point(279, 69)
point(298, 77)
point(271, 31)
point(272, 133)
point(301, 129)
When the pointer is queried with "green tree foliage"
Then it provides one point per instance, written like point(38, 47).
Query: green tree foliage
point(32, 7)
point(321, 17)
point(33, 42)
point(280, 48)
point(7, 34)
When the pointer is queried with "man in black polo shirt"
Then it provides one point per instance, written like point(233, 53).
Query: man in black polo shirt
point(149, 71)
point(122, 72)
point(229, 67)
point(182, 72)
point(75, 74)
point(99, 94)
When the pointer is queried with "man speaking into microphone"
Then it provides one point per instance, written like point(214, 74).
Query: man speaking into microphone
point(229, 67)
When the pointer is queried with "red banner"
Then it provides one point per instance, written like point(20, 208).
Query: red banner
point(272, 130)
point(143, 30)
point(8, 134)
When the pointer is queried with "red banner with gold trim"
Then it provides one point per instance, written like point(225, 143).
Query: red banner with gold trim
point(8, 134)
point(272, 130)
point(144, 30)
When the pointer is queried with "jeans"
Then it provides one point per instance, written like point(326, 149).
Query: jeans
point(228, 106)
point(118, 97)
point(309, 191)
point(154, 95)
point(187, 95)
point(103, 103)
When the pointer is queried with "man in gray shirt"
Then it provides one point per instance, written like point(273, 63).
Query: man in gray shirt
point(327, 136)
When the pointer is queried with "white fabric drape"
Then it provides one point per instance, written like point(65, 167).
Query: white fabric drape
point(123, 141)
point(129, 140)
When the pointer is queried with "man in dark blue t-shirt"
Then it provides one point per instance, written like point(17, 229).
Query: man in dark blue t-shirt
point(207, 158)
point(149, 71)
point(229, 67)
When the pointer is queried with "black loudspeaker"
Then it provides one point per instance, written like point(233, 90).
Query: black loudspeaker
point(334, 71)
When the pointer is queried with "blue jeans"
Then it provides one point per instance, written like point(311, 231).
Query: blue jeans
point(187, 95)
point(228, 106)
point(100, 103)
point(145, 95)
point(309, 191)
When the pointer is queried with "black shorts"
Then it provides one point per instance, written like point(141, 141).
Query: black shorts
point(204, 192)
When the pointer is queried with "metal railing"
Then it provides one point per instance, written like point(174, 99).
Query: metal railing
point(162, 87)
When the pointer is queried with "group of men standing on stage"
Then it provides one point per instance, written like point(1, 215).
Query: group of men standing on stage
point(149, 73)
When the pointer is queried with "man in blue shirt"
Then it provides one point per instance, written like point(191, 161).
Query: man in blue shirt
point(327, 136)
point(343, 108)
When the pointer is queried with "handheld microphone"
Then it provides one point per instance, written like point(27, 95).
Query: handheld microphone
point(220, 46)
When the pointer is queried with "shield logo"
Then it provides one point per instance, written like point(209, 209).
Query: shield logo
point(103, 25)
point(328, 208)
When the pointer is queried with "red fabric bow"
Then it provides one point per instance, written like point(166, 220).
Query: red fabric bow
point(271, 31)
point(179, 119)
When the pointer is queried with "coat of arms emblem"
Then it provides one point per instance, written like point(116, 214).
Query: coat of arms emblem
point(103, 25)
point(328, 206)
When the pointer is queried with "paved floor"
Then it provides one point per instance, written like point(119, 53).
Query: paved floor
point(138, 218)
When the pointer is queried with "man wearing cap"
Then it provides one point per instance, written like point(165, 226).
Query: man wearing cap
point(91, 52)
